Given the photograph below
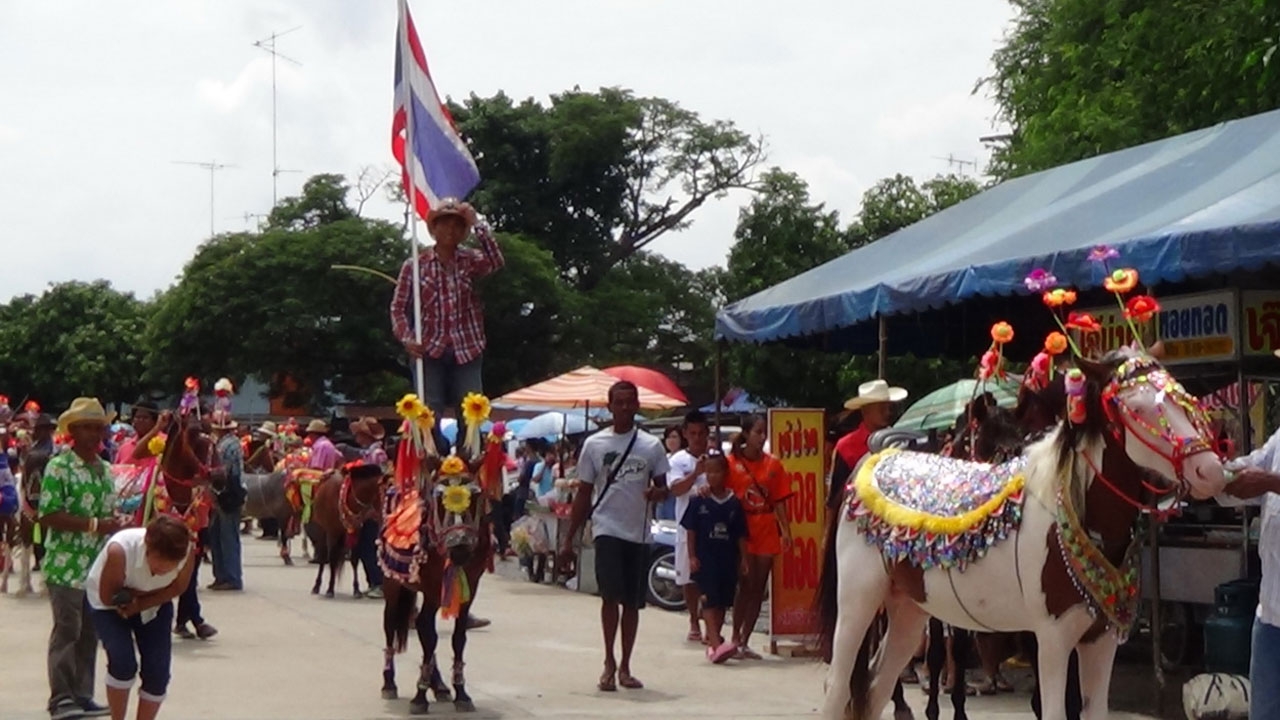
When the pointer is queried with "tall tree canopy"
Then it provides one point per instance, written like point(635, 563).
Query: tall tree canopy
point(596, 177)
point(74, 339)
point(1077, 78)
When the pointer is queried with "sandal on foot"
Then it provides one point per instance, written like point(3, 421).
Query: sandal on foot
point(694, 636)
point(607, 682)
point(629, 681)
point(721, 654)
point(747, 653)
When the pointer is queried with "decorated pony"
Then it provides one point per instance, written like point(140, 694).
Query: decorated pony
point(1010, 547)
point(437, 543)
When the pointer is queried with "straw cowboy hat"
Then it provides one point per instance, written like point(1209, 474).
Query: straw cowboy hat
point(267, 428)
point(876, 391)
point(317, 427)
point(447, 207)
point(369, 426)
point(83, 410)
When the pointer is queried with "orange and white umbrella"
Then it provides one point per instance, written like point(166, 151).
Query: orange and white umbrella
point(584, 387)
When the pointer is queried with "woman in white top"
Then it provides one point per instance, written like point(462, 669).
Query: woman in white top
point(130, 588)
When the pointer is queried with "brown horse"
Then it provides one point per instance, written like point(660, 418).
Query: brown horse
point(444, 565)
point(344, 500)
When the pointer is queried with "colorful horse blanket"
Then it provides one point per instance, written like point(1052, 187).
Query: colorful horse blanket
point(398, 548)
point(933, 511)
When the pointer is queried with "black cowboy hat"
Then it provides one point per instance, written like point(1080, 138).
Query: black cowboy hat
point(45, 420)
point(145, 406)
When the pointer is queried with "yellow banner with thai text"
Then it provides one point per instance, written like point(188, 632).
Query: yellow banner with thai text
point(1261, 322)
point(797, 438)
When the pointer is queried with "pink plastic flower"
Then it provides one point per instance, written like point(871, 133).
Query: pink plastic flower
point(1103, 253)
point(1039, 280)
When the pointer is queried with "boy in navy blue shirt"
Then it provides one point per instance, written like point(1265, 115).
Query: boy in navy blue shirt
point(717, 530)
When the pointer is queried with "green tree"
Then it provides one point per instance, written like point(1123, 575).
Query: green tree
point(894, 203)
point(780, 234)
point(1076, 78)
point(75, 339)
point(270, 304)
point(596, 177)
point(524, 311)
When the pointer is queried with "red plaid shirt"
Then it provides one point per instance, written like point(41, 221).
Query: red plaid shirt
point(452, 317)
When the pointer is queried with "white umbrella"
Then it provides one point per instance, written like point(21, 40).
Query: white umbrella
point(552, 424)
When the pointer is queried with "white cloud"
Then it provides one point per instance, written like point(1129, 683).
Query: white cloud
point(846, 93)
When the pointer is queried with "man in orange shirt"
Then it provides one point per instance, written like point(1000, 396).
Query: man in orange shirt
point(875, 399)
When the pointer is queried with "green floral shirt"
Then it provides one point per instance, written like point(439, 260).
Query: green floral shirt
point(81, 489)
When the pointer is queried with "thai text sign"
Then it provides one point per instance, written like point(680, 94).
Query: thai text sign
point(797, 438)
point(1261, 322)
point(1194, 328)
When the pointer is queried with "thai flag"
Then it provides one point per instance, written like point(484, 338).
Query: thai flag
point(438, 164)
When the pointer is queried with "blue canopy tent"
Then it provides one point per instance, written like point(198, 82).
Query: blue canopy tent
point(1202, 204)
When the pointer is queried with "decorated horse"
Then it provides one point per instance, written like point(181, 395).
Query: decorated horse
point(344, 500)
point(1042, 543)
point(437, 543)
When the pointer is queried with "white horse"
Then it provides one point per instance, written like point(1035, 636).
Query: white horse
point(1011, 548)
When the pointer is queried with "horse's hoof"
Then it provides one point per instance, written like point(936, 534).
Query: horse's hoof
point(464, 706)
point(389, 694)
point(315, 591)
point(357, 594)
point(903, 714)
point(288, 561)
point(417, 708)
point(328, 594)
point(443, 695)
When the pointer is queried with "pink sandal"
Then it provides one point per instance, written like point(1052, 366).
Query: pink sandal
point(719, 655)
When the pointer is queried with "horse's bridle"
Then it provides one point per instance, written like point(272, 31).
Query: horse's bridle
point(1145, 371)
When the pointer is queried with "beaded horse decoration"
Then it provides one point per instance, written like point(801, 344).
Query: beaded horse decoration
point(934, 511)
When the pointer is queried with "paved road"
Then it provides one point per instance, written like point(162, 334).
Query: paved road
point(284, 654)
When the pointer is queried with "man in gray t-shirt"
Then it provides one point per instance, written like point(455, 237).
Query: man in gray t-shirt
point(626, 469)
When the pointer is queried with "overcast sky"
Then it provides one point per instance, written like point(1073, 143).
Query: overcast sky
point(97, 99)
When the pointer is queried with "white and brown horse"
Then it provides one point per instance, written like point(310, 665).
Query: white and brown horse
point(1042, 544)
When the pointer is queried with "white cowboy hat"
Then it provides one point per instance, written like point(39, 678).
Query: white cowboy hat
point(1276, 353)
point(317, 426)
point(222, 420)
point(876, 391)
point(83, 410)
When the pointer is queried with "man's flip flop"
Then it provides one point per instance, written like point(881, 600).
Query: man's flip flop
point(629, 682)
point(722, 653)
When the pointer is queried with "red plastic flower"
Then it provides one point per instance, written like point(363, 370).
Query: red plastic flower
point(1055, 343)
point(32, 407)
point(1084, 322)
point(1059, 297)
point(1001, 333)
point(1141, 308)
point(1121, 281)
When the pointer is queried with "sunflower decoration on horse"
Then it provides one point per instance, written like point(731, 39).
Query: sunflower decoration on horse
point(1010, 547)
point(436, 541)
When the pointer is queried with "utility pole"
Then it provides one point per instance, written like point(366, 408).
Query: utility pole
point(212, 166)
point(268, 44)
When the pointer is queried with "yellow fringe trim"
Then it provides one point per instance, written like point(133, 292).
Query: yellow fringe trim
point(899, 515)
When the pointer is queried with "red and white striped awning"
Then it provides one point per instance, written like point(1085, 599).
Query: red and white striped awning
point(580, 388)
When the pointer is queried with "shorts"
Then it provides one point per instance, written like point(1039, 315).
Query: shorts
point(682, 560)
point(718, 587)
point(622, 570)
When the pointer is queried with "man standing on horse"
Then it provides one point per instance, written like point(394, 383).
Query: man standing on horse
point(453, 339)
point(224, 531)
point(875, 399)
point(75, 506)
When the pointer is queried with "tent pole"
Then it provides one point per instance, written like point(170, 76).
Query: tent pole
point(884, 344)
point(719, 391)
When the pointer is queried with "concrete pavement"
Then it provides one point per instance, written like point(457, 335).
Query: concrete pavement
point(283, 654)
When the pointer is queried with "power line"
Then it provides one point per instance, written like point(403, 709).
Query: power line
point(268, 44)
point(213, 167)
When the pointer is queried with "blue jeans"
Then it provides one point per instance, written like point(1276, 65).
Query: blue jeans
point(118, 636)
point(367, 549)
point(445, 385)
point(1264, 671)
point(224, 532)
point(189, 601)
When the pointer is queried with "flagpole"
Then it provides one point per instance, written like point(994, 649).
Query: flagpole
point(419, 364)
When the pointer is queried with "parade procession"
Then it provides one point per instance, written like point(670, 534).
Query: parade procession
point(578, 404)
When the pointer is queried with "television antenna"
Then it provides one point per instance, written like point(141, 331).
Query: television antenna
point(955, 162)
point(213, 166)
point(268, 44)
point(248, 218)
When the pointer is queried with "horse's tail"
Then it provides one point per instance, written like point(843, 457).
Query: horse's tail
point(826, 602)
point(402, 601)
